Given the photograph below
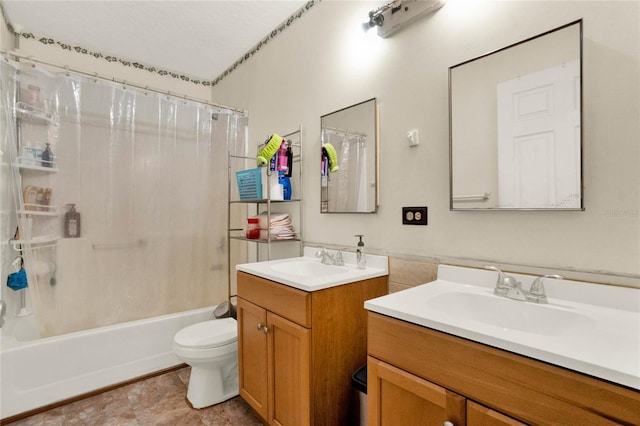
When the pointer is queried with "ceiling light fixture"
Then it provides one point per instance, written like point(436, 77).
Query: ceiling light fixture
point(393, 16)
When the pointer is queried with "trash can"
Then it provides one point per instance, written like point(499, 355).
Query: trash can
point(359, 383)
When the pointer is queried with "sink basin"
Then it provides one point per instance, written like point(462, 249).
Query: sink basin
point(307, 268)
point(309, 274)
point(509, 314)
point(590, 328)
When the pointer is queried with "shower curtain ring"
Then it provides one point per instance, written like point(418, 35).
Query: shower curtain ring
point(17, 263)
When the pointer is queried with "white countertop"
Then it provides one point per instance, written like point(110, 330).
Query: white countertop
point(598, 334)
point(377, 266)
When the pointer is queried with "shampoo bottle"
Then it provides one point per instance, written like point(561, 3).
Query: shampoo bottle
point(289, 161)
point(282, 157)
point(284, 180)
point(47, 156)
point(72, 222)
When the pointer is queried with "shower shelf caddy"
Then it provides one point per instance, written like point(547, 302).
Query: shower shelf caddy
point(33, 168)
point(293, 206)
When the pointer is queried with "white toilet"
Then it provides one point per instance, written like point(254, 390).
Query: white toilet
point(211, 349)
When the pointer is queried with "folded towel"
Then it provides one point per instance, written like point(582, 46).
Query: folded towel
point(277, 219)
point(282, 235)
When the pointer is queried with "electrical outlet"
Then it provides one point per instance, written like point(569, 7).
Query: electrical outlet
point(414, 216)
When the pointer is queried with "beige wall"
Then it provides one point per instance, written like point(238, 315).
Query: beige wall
point(322, 63)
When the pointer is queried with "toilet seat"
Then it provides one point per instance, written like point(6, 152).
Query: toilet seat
point(208, 334)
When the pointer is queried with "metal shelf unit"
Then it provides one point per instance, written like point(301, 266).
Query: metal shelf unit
point(235, 233)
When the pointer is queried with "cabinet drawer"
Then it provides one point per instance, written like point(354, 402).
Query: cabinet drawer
point(288, 302)
point(478, 415)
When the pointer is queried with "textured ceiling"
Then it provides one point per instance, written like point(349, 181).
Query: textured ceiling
point(200, 39)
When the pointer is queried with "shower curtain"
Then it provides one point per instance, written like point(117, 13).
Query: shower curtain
point(148, 175)
point(347, 191)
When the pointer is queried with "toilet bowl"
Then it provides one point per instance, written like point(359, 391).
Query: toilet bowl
point(211, 349)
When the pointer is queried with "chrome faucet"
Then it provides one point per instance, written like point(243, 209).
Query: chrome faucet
point(327, 259)
point(337, 259)
point(536, 292)
point(504, 283)
point(508, 286)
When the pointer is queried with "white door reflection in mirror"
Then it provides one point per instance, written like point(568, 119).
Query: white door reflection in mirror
point(515, 125)
point(538, 139)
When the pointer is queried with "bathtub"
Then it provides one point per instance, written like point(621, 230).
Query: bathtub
point(41, 372)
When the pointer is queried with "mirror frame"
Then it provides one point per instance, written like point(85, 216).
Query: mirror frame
point(376, 125)
point(578, 22)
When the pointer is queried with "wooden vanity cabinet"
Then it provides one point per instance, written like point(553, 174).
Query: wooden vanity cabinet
point(297, 350)
point(403, 399)
point(420, 376)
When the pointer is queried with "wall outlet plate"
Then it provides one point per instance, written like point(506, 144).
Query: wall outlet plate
point(414, 216)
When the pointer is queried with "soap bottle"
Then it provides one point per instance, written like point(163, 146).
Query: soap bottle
point(284, 180)
point(361, 258)
point(289, 161)
point(282, 157)
point(72, 222)
point(47, 156)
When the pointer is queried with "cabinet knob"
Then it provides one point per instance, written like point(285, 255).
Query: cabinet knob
point(259, 327)
point(448, 423)
point(265, 329)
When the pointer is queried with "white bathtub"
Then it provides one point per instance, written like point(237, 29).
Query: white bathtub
point(36, 373)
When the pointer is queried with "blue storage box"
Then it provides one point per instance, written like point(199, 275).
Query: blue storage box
point(250, 184)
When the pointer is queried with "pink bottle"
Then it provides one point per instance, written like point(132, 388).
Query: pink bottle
point(282, 157)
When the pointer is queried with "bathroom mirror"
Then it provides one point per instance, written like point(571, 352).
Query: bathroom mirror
point(348, 159)
point(515, 125)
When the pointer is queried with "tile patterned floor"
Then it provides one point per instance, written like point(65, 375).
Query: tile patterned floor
point(156, 401)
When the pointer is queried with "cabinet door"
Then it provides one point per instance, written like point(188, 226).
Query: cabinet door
point(396, 397)
point(252, 356)
point(289, 372)
point(479, 415)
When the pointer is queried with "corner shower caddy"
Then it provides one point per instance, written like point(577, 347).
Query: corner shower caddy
point(238, 162)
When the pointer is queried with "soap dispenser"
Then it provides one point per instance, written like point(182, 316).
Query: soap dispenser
point(361, 258)
point(72, 222)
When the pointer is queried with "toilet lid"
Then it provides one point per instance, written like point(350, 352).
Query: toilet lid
point(208, 334)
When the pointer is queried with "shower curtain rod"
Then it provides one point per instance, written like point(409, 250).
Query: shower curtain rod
point(30, 58)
